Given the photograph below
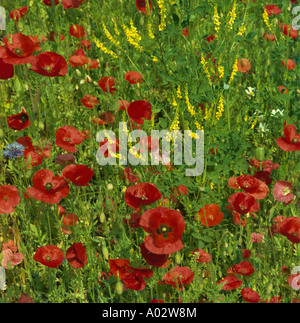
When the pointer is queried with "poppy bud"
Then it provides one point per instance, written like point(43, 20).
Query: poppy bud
point(260, 153)
point(110, 186)
point(119, 288)
point(102, 217)
point(192, 18)
point(105, 252)
point(269, 289)
point(177, 259)
point(78, 72)
point(142, 21)
point(41, 125)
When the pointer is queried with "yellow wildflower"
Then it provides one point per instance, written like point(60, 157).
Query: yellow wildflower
point(163, 15)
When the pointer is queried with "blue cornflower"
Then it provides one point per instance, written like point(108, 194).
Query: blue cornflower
point(14, 150)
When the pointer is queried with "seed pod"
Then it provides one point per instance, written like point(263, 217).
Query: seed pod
point(119, 288)
point(105, 252)
point(102, 217)
point(177, 259)
point(41, 125)
point(269, 289)
point(260, 153)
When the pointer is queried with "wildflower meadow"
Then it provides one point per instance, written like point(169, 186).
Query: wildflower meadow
point(149, 151)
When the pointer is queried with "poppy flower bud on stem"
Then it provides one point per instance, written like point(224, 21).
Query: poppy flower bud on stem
point(177, 259)
point(119, 288)
point(105, 252)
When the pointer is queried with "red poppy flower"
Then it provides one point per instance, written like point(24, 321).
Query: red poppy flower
point(85, 44)
point(50, 3)
point(16, 14)
point(79, 175)
point(231, 282)
point(210, 38)
point(133, 77)
point(142, 6)
point(93, 64)
point(243, 203)
point(246, 253)
point(76, 255)
point(185, 31)
point(77, 31)
point(67, 4)
point(119, 267)
point(178, 277)
point(65, 159)
point(180, 190)
point(50, 64)
point(210, 216)
point(47, 187)
point(294, 282)
point(109, 147)
point(134, 220)
point(53, 36)
point(166, 227)
point(123, 105)
point(151, 258)
point(107, 84)
point(25, 299)
point(139, 110)
point(69, 219)
point(289, 63)
point(244, 268)
point(269, 37)
point(67, 137)
point(282, 191)
point(264, 176)
point(18, 49)
point(135, 279)
point(130, 176)
point(272, 9)
point(9, 199)
point(252, 185)
point(290, 228)
point(141, 194)
point(244, 65)
point(6, 70)
point(89, 101)
point(238, 220)
point(232, 182)
point(50, 256)
point(250, 295)
point(104, 118)
point(201, 256)
point(33, 156)
point(268, 166)
point(291, 140)
point(289, 31)
point(78, 58)
point(19, 121)
point(25, 141)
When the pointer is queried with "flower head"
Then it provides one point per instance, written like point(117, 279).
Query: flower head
point(13, 151)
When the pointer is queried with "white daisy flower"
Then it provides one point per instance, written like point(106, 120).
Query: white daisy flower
point(251, 91)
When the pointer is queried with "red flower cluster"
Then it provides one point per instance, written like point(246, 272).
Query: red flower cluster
point(52, 256)
point(133, 278)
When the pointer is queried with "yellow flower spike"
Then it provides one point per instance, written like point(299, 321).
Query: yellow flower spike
point(220, 108)
point(216, 20)
point(233, 16)
point(109, 36)
point(163, 15)
point(234, 71)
